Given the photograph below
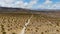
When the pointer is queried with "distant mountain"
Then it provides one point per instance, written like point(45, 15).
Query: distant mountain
point(10, 9)
point(21, 10)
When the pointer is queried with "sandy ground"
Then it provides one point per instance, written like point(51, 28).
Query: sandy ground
point(38, 24)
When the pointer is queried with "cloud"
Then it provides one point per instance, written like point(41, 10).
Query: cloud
point(17, 3)
point(6, 3)
point(56, 6)
point(48, 4)
point(32, 3)
point(20, 4)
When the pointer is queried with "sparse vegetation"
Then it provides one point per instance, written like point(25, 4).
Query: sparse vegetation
point(40, 23)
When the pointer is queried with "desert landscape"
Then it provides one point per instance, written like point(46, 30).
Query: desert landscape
point(29, 22)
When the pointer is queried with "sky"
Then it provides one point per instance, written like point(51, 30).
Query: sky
point(31, 4)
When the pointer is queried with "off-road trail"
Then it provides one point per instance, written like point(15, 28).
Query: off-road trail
point(27, 22)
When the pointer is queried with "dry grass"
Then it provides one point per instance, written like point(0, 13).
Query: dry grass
point(40, 24)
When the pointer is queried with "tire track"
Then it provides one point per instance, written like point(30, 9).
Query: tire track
point(28, 21)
